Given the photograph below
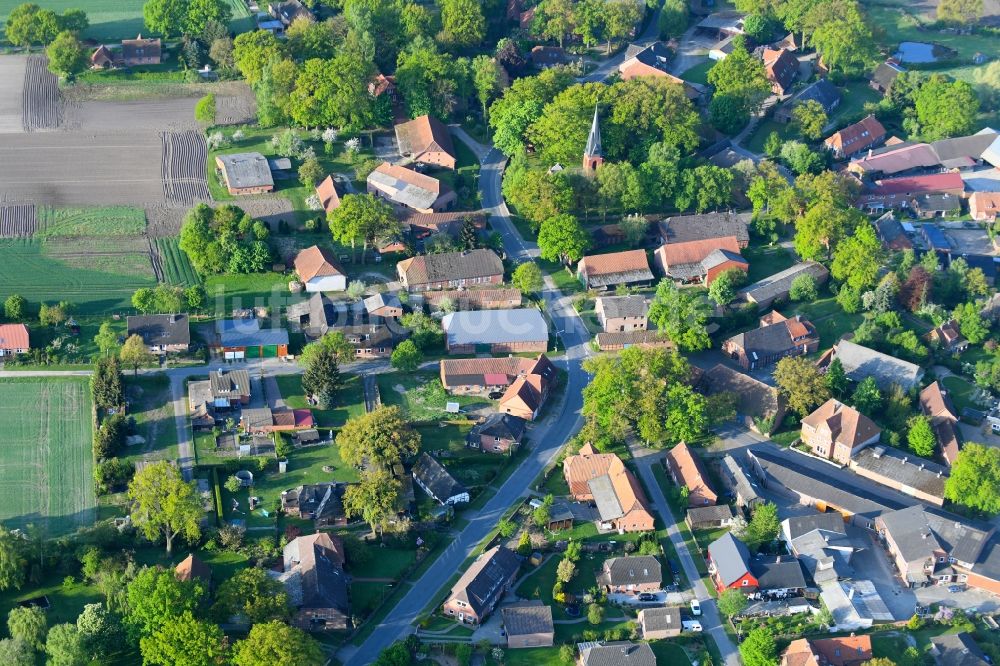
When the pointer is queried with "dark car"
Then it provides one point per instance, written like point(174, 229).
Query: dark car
point(955, 588)
point(647, 596)
point(495, 395)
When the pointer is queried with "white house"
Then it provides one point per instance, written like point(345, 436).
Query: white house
point(319, 270)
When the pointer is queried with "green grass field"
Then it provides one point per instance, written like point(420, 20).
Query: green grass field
point(82, 271)
point(109, 221)
point(118, 19)
point(176, 266)
point(46, 479)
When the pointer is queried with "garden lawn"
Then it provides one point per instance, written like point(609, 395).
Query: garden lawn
point(229, 292)
point(108, 221)
point(421, 396)
point(565, 281)
point(96, 275)
point(541, 656)
point(47, 476)
point(698, 73)
point(66, 602)
point(766, 261)
point(150, 405)
point(829, 318)
point(349, 401)
point(960, 392)
point(756, 141)
point(668, 653)
point(470, 466)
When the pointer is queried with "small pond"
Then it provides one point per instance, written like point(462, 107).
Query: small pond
point(918, 52)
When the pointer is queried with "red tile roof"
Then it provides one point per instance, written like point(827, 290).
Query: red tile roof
point(315, 262)
point(14, 336)
point(857, 137)
point(935, 182)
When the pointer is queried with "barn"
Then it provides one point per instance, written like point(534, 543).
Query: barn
point(238, 339)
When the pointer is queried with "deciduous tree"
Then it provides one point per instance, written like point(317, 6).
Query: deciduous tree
point(155, 597)
point(858, 258)
point(462, 22)
point(527, 277)
point(382, 437)
point(165, 17)
point(28, 624)
point(920, 436)
point(15, 307)
point(66, 56)
point(681, 315)
point(562, 238)
point(945, 108)
point(732, 603)
point(164, 504)
point(251, 596)
point(975, 478)
point(184, 640)
point(758, 648)
point(810, 119)
point(724, 286)
point(134, 353)
point(801, 383)
point(277, 643)
point(252, 51)
point(373, 498)
point(66, 646)
point(960, 11)
point(363, 218)
point(28, 24)
point(406, 357)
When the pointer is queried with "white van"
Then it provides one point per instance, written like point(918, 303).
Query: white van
point(695, 608)
point(691, 625)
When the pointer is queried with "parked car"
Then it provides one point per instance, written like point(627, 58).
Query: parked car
point(695, 608)
point(956, 588)
point(691, 625)
point(647, 596)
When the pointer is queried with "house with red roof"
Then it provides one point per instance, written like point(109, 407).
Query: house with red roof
point(13, 340)
point(781, 69)
point(856, 138)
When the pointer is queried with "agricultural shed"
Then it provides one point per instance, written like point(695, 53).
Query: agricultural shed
point(245, 173)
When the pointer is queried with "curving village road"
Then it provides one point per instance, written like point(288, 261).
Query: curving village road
point(548, 437)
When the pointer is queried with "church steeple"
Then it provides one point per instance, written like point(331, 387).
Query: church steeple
point(593, 155)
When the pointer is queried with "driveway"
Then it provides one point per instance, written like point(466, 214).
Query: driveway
point(710, 619)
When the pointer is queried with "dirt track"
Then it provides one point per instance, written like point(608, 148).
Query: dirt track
point(11, 88)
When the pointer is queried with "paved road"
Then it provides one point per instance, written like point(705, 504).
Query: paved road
point(548, 437)
point(711, 621)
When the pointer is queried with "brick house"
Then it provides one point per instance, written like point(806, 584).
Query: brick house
point(482, 586)
point(406, 188)
point(687, 470)
point(528, 624)
point(660, 623)
point(838, 651)
point(426, 140)
point(499, 433)
point(604, 479)
point(699, 261)
point(686, 228)
point(482, 376)
point(948, 337)
point(984, 206)
point(936, 406)
point(775, 338)
point(781, 69)
point(836, 431)
point(476, 299)
point(631, 575)
point(162, 333)
point(319, 270)
point(856, 138)
point(140, 51)
point(316, 583)
point(622, 313)
point(245, 173)
point(495, 331)
point(729, 564)
point(600, 271)
point(450, 270)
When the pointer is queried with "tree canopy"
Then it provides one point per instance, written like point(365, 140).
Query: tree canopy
point(164, 504)
point(381, 437)
point(975, 478)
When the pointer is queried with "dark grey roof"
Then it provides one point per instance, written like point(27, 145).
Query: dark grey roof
point(886, 73)
point(911, 527)
point(779, 284)
point(731, 558)
point(797, 526)
point(505, 426)
point(782, 468)
point(823, 92)
point(719, 256)
point(684, 228)
point(910, 470)
point(889, 228)
point(483, 582)
point(435, 478)
point(248, 333)
point(938, 202)
point(739, 479)
point(232, 384)
point(957, 650)
point(963, 148)
point(320, 499)
point(635, 570)
point(161, 329)
point(656, 55)
point(431, 268)
point(528, 619)
point(593, 148)
point(660, 619)
point(705, 514)
point(618, 654)
point(246, 170)
point(860, 362)
point(826, 556)
point(778, 573)
point(765, 341)
point(624, 306)
point(382, 300)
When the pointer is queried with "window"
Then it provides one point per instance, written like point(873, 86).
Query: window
point(745, 582)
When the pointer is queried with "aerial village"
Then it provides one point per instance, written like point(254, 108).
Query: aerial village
point(556, 332)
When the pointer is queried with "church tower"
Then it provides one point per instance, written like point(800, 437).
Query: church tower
point(593, 156)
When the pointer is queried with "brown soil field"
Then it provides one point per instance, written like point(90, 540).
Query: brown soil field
point(17, 220)
point(41, 103)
